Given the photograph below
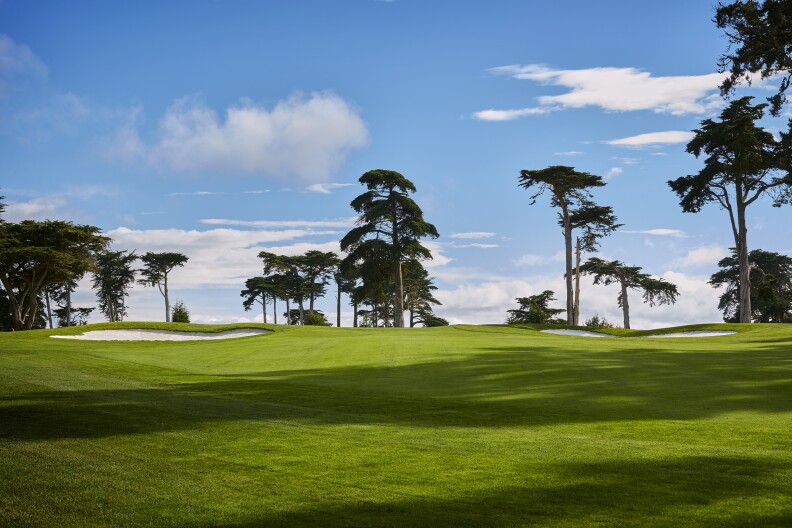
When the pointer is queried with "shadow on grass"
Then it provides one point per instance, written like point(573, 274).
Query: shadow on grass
point(691, 491)
point(497, 387)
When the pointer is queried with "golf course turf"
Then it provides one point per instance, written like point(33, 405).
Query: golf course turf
point(454, 426)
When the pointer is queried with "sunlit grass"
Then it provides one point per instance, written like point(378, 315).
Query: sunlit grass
point(458, 426)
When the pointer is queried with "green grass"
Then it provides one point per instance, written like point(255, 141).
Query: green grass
point(457, 426)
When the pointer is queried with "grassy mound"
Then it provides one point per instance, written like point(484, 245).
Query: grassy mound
point(454, 426)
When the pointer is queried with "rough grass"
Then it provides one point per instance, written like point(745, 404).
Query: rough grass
point(457, 426)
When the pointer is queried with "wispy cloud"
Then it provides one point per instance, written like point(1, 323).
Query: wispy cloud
point(701, 256)
point(472, 235)
point(196, 193)
point(612, 89)
point(569, 153)
point(18, 62)
point(476, 245)
point(668, 137)
point(303, 138)
point(530, 259)
point(614, 171)
point(260, 191)
point(626, 161)
point(36, 209)
point(283, 224)
point(676, 233)
point(326, 188)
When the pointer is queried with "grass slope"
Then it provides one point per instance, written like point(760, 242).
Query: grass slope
point(457, 426)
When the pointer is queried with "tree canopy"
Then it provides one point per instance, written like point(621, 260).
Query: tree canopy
point(535, 310)
point(155, 272)
point(391, 225)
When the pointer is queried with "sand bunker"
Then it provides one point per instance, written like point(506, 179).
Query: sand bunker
point(708, 333)
point(586, 333)
point(161, 335)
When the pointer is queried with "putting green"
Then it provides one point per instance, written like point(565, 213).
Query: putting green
point(456, 426)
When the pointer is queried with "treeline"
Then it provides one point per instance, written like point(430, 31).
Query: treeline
point(41, 263)
point(381, 272)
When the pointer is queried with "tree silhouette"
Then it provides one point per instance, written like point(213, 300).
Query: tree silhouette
point(157, 266)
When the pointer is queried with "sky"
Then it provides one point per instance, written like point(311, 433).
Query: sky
point(223, 128)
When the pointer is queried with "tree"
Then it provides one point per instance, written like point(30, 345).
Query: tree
point(393, 221)
point(655, 291)
point(35, 255)
point(535, 310)
point(760, 41)
point(317, 267)
point(418, 293)
point(156, 270)
point(744, 162)
point(72, 315)
point(345, 283)
point(596, 222)
point(112, 279)
point(180, 313)
point(570, 192)
point(258, 290)
point(771, 286)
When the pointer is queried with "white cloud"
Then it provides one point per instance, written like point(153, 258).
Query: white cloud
point(218, 257)
point(653, 138)
point(530, 259)
point(476, 245)
point(569, 153)
point(326, 188)
point(472, 235)
point(660, 232)
point(612, 89)
point(614, 171)
point(196, 193)
point(36, 209)
point(701, 256)
point(303, 138)
point(626, 161)
point(260, 191)
point(17, 61)
point(283, 224)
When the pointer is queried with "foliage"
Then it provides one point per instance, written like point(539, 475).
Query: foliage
point(760, 40)
point(316, 318)
point(72, 315)
point(258, 290)
point(570, 191)
point(35, 255)
point(430, 320)
point(655, 291)
point(155, 272)
point(391, 225)
point(112, 279)
point(598, 322)
point(179, 313)
point(771, 286)
point(744, 162)
point(535, 310)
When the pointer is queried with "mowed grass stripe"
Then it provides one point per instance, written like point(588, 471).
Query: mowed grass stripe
point(436, 427)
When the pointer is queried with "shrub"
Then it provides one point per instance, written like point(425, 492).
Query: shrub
point(179, 313)
point(598, 322)
point(316, 318)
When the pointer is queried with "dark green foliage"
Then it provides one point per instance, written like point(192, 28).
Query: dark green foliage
point(760, 40)
point(35, 255)
point(112, 279)
point(72, 316)
point(570, 191)
point(598, 322)
point(259, 290)
point(771, 287)
point(655, 291)
point(429, 320)
point(316, 318)
point(744, 162)
point(535, 310)
point(390, 225)
point(180, 314)
point(155, 272)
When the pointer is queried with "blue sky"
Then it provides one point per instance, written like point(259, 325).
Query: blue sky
point(222, 128)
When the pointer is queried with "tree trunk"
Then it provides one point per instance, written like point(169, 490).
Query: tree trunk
point(68, 305)
point(338, 307)
point(412, 319)
point(302, 311)
point(570, 303)
point(264, 307)
point(355, 315)
point(274, 310)
point(398, 301)
point(576, 318)
point(745, 267)
point(288, 311)
point(625, 304)
point(49, 309)
point(167, 301)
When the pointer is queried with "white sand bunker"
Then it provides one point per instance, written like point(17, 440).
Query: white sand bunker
point(161, 335)
point(584, 333)
point(708, 333)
